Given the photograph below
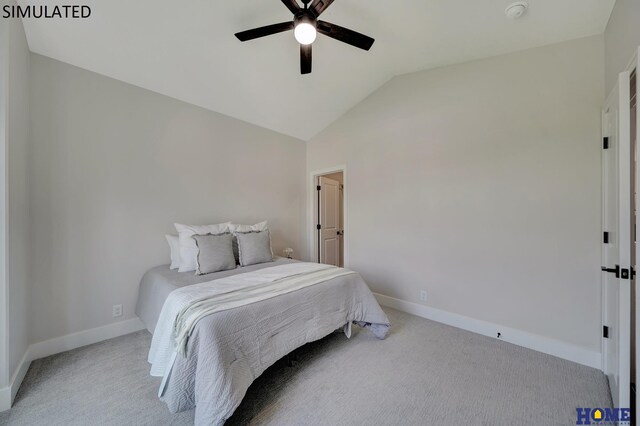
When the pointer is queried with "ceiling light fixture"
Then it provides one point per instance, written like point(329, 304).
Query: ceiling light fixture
point(305, 30)
point(516, 10)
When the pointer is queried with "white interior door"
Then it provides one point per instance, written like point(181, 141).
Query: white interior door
point(616, 253)
point(329, 221)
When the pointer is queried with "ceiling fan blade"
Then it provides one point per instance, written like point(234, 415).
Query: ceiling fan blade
point(264, 31)
point(292, 5)
point(318, 6)
point(345, 35)
point(305, 59)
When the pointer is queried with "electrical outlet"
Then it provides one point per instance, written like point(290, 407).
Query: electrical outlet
point(423, 295)
point(117, 311)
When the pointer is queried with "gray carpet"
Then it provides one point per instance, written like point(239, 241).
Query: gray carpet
point(425, 373)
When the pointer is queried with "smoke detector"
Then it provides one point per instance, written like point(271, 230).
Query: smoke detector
point(516, 10)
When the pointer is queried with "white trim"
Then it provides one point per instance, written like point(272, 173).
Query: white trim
point(5, 398)
point(83, 338)
point(4, 261)
point(635, 64)
point(511, 335)
point(345, 208)
point(623, 332)
point(603, 226)
point(8, 394)
point(63, 344)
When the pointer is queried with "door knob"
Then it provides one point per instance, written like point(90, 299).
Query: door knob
point(615, 270)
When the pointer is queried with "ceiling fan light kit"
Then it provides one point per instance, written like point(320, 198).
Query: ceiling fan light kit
point(304, 29)
point(306, 26)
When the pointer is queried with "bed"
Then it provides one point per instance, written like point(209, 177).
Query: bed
point(234, 336)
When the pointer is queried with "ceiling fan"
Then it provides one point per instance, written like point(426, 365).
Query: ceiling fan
point(305, 26)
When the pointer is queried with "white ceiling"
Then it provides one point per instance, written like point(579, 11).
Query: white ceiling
point(187, 49)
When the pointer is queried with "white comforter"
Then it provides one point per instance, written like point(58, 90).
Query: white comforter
point(185, 306)
point(231, 329)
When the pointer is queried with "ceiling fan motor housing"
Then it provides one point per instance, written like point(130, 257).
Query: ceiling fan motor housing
point(305, 16)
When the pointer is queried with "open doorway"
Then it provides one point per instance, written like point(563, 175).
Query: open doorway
point(328, 217)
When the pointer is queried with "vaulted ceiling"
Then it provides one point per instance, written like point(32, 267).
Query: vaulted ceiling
point(187, 49)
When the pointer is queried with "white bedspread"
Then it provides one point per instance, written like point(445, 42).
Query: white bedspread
point(186, 306)
point(233, 328)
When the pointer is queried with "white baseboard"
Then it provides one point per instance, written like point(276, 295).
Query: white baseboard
point(8, 394)
point(517, 337)
point(5, 398)
point(62, 344)
point(83, 338)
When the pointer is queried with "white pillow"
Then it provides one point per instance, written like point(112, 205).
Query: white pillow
point(189, 248)
point(233, 227)
point(174, 246)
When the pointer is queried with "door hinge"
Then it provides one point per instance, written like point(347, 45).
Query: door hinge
point(318, 227)
point(318, 187)
point(605, 331)
point(633, 272)
point(615, 270)
point(605, 142)
point(605, 238)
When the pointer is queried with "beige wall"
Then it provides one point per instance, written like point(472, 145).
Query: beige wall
point(115, 165)
point(622, 39)
point(480, 183)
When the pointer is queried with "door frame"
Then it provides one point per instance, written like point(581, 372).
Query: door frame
point(311, 212)
point(603, 297)
point(634, 64)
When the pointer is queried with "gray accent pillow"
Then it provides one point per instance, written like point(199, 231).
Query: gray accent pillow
point(254, 247)
point(234, 228)
point(215, 253)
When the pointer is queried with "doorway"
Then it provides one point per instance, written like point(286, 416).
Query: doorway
point(328, 217)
